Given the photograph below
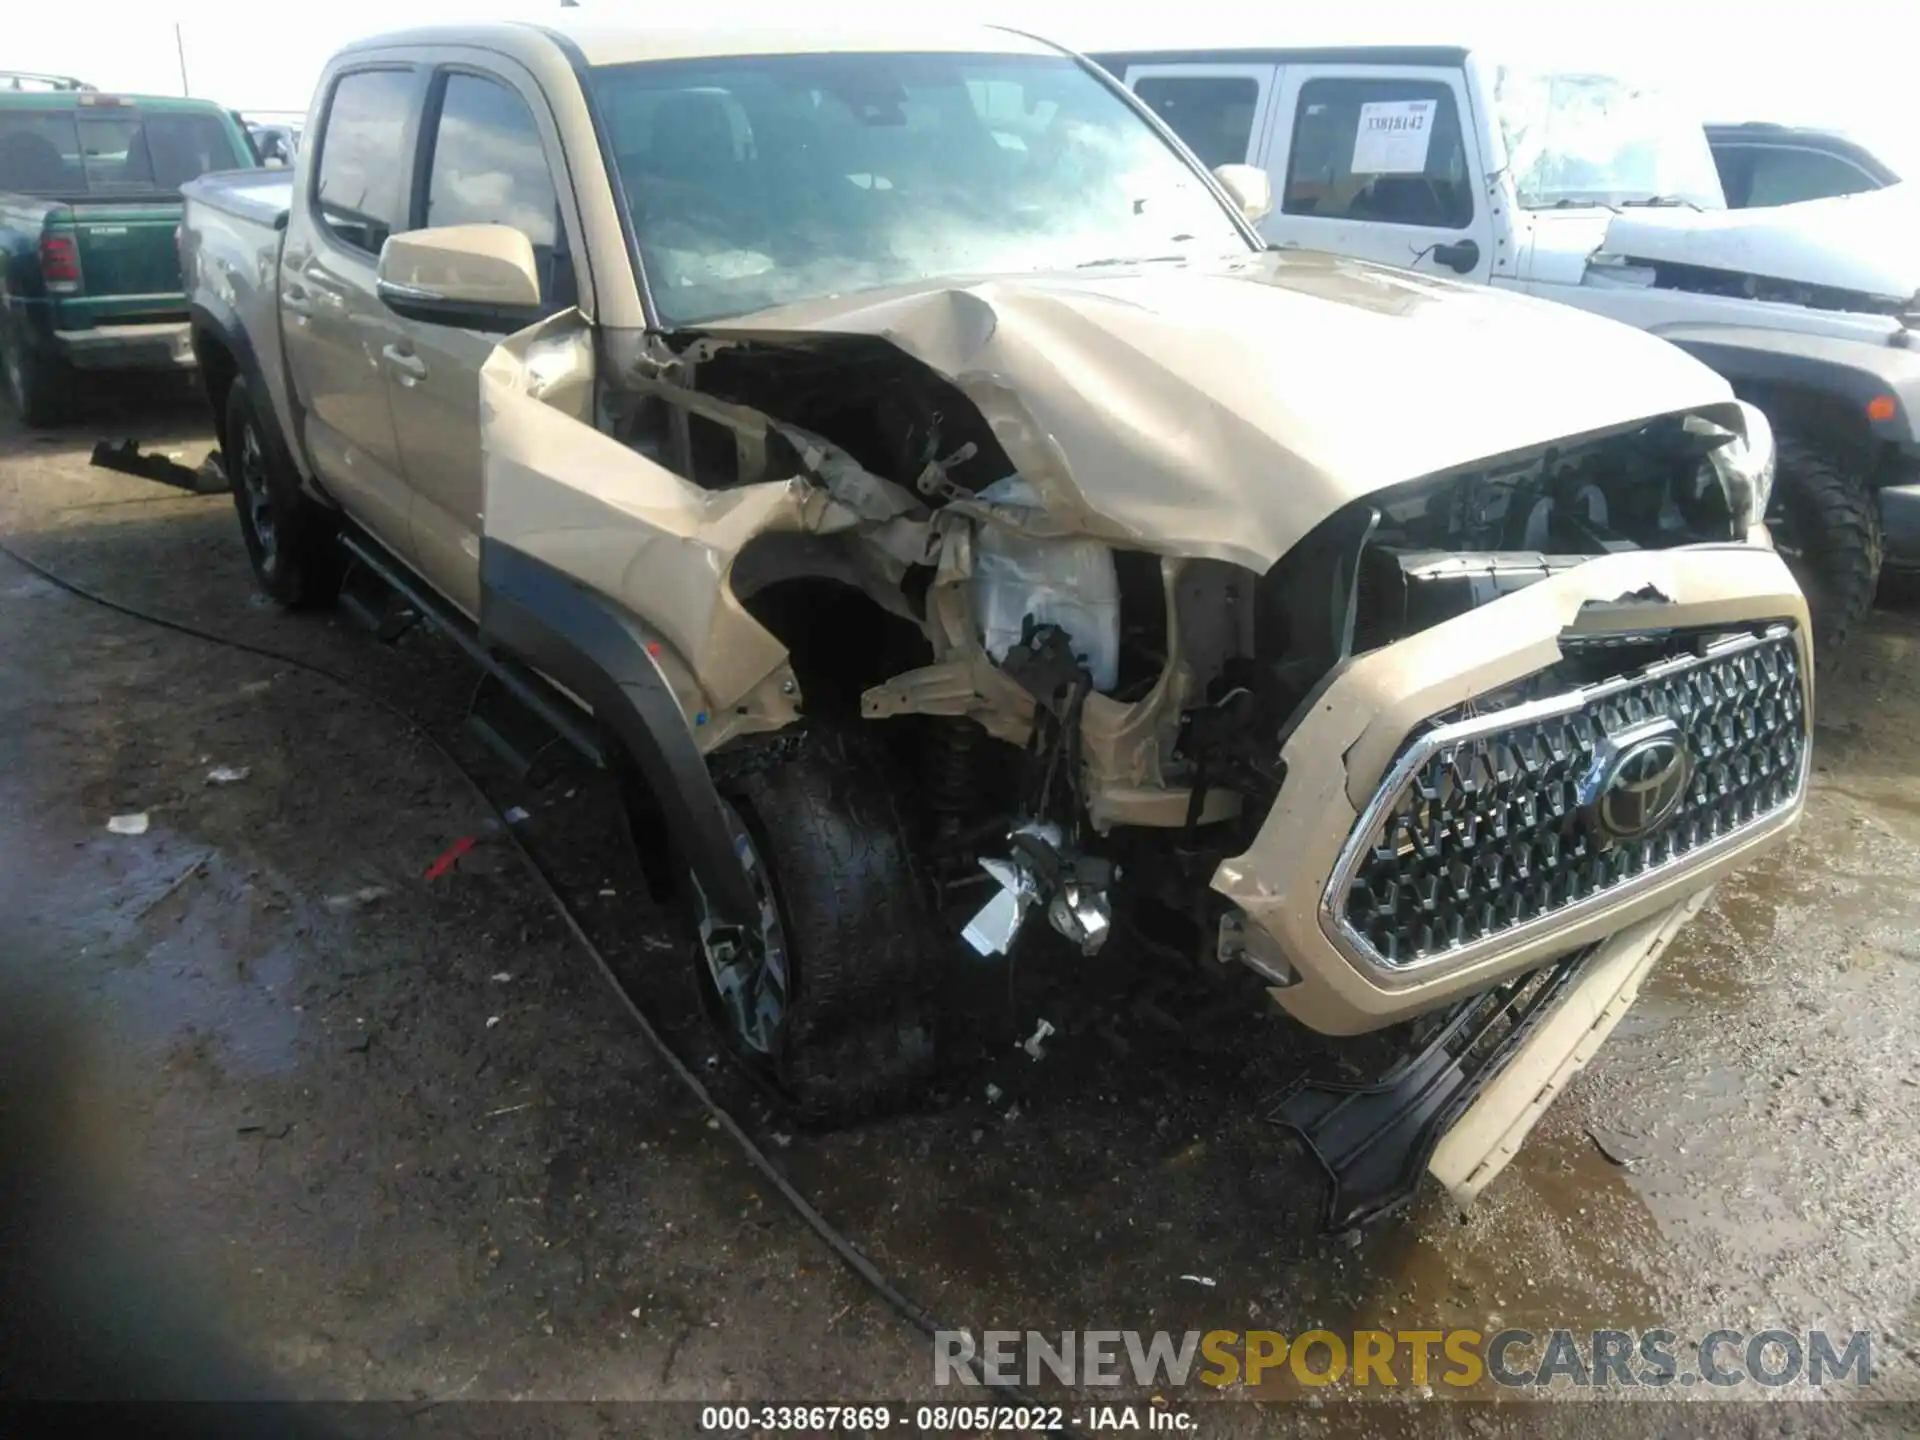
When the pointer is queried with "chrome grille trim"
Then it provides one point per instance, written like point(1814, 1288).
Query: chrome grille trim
point(1449, 736)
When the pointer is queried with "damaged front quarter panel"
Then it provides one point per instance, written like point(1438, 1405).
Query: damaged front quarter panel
point(621, 525)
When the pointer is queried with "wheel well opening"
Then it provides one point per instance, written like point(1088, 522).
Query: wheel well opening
point(218, 371)
point(839, 641)
point(1828, 420)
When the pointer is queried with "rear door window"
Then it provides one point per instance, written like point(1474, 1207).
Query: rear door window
point(359, 189)
point(1378, 149)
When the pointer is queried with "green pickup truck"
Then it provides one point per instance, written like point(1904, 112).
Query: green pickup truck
point(89, 210)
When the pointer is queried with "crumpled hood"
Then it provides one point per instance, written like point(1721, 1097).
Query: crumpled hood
point(1225, 410)
point(1868, 242)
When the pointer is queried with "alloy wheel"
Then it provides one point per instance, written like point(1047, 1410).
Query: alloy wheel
point(750, 972)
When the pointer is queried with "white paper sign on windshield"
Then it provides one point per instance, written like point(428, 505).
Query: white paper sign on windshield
point(1392, 138)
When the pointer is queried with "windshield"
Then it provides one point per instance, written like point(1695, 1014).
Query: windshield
point(755, 182)
point(1601, 140)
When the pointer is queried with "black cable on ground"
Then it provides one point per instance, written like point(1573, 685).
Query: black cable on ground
point(844, 1249)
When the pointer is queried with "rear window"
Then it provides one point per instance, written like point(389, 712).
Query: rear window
point(122, 151)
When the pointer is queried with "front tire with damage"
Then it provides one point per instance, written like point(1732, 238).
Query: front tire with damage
point(827, 1001)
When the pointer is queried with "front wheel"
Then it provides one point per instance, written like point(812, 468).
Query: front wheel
point(825, 997)
point(1825, 523)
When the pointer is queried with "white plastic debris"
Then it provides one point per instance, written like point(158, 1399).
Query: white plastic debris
point(134, 824)
point(501, 977)
point(228, 774)
point(1206, 1280)
point(354, 899)
point(492, 1020)
point(994, 1092)
point(1036, 1044)
point(516, 815)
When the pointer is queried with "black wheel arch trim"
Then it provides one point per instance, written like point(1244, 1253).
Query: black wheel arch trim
point(551, 622)
point(1848, 373)
point(224, 327)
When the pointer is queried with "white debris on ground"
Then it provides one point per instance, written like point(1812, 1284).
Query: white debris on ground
point(134, 824)
point(354, 899)
point(228, 774)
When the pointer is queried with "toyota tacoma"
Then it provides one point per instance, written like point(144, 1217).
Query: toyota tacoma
point(907, 468)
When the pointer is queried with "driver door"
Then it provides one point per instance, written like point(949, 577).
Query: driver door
point(486, 158)
point(1381, 162)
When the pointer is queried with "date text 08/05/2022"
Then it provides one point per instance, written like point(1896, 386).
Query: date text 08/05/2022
point(875, 1419)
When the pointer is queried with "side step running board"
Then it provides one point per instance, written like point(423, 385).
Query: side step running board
point(522, 684)
point(1374, 1140)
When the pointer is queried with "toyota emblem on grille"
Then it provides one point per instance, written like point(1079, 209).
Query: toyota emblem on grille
point(1637, 781)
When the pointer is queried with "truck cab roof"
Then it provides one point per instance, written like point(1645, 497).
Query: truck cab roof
point(598, 43)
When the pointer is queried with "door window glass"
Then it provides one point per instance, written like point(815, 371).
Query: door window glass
point(1781, 176)
point(1388, 151)
point(1213, 113)
point(358, 189)
point(490, 168)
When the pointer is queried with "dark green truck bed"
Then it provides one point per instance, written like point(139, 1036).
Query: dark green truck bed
point(89, 207)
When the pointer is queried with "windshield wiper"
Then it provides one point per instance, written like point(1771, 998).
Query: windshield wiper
point(1659, 202)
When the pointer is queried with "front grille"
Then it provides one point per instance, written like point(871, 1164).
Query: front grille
point(1489, 827)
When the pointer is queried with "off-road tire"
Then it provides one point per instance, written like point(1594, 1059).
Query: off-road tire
point(39, 386)
point(1824, 509)
point(292, 541)
point(861, 936)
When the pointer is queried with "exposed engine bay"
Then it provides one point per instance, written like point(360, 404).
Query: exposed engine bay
point(1098, 725)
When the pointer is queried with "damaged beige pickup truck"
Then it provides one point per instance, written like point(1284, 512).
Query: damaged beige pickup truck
point(905, 465)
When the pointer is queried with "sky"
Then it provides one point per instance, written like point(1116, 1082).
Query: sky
point(1838, 62)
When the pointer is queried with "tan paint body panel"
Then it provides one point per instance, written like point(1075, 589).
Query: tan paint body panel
point(1477, 1148)
point(1214, 410)
point(1337, 757)
point(1225, 411)
point(660, 546)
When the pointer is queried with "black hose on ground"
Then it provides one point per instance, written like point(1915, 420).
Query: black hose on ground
point(844, 1249)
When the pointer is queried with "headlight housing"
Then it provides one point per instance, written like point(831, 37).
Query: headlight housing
point(1745, 465)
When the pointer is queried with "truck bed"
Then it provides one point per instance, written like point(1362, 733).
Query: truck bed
point(262, 196)
point(230, 238)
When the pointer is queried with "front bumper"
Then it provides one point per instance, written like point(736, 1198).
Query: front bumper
point(1339, 756)
point(1490, 1132)
point(164, 346)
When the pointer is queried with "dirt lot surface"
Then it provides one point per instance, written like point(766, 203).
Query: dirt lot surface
point(367, 1134)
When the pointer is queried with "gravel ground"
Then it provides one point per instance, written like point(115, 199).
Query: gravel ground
point(378, 1136)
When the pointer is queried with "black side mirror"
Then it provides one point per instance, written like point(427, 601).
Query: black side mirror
point(1460, 257)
